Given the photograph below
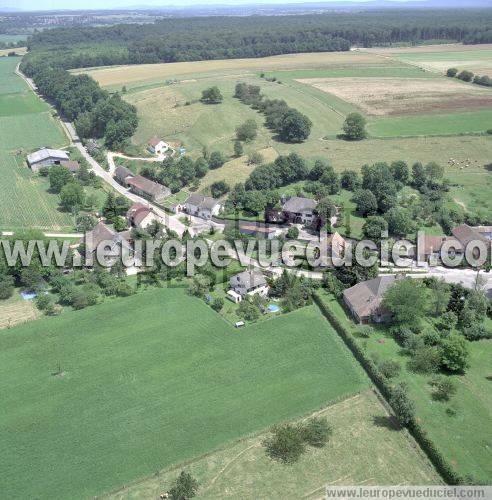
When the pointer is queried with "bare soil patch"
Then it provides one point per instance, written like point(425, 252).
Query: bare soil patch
point(400, 96)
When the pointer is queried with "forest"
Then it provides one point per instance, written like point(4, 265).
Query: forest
point(204, 38)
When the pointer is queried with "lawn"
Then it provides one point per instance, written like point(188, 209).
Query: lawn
point(26, 124)
point(161, 379)
point(361, 432)
point(461, 428)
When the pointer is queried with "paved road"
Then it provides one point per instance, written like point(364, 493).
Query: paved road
point(465, 277)
point(170, 221)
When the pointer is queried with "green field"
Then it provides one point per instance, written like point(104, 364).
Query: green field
point(462, 428)
point(26, 123)
point(429, 125)
point(149, 381)
point(12, 38)
point(242, 470)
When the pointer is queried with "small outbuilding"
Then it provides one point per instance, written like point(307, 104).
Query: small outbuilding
point(46, 158)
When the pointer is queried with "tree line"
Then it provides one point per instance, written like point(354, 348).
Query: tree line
point(204, 38)
point(468, 76)
point(95, 112)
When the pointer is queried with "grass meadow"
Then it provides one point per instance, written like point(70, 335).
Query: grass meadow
point(461, 428)
point(26, 123)
point(362, 431)
point(97, 398)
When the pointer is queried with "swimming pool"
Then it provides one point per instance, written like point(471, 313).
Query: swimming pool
point(273, 308)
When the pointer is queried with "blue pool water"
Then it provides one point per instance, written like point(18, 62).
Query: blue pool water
point(28, 295)
point(273, 308)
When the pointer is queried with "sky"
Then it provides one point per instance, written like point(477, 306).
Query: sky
point(109, 4)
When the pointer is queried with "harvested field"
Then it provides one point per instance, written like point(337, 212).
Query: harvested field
point(16, 310)
point(424, 49)
point(125, 75)
point(18, 50)
point(401, 96)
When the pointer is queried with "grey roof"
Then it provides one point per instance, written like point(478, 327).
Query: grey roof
point(364, 298)
point(297, 204)
point(249, 279)
point(45, 154)
point(203, 202)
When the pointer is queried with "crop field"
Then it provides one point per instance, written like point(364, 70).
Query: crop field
point(362, 431)
point(461, 427)
point(402, 96)
point(87, 409)
point(26, 123)
point(438, 58)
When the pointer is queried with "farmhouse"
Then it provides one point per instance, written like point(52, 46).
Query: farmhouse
point(148, 189)
point(141, 216)
point(299, 210)
point(46, 158)
point(202, 206)
point(430, 245)
point(247, 283)
point(364, 299)
point(116, 243)
point(157, 146)
point(122, 174)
